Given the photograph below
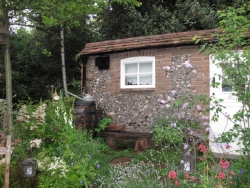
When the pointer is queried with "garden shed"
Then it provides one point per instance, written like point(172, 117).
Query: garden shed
point(127, 79)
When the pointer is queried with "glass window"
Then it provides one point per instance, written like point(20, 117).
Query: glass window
point(138, 72)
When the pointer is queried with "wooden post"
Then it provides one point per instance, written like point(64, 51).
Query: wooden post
point(5, 121)
point(7, 162)
point(7, 151)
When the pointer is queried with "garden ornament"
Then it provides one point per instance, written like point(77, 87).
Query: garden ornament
point(55, 96)
point(29, 167)
point(188, 163)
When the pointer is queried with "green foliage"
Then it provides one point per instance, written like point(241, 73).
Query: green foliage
point(35, 53)
point(63, 152)
point(2, 169)
point(103, 123)
point(196, 14)
point(165, 133)
point(16, 176)
point(36, 65)
point(158, 17)
point(132, 175)
point(74, 175)
point(182, 115)
point(158, 155)
point(241, 167)
point(231, 54)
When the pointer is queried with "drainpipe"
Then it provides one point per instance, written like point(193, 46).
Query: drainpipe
point(84, 59)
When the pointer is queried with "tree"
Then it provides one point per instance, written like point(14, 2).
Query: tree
point(64, 15)
point(57, 11)
point(234, 36)
point(159, 17)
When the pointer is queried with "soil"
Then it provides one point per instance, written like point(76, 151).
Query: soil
point(122, 161)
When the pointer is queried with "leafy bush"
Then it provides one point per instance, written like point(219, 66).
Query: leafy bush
point(46, 132)
point(102, 124)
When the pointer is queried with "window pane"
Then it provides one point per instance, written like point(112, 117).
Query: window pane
point(145, 67)
point(145, 79)
point(227, 85)
point(131, 80)
point(130, 68)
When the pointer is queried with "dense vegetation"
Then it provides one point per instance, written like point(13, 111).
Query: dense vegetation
point(35, 52)
point(70, 157)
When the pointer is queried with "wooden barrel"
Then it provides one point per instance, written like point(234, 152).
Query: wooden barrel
point(86, 114)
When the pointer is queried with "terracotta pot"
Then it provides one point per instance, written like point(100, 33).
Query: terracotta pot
point(115, 127)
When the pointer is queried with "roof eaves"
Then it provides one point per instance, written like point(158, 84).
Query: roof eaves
point(154, 41)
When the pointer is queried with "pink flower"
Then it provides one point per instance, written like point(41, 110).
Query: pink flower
point(193, 179)
point(172, 175)
point(187, 176)
point(201, 159)
point(225, 164)
point(232, 173)
point(203, 148)
point(227, 146)
point(221, 175)
point(177, 183)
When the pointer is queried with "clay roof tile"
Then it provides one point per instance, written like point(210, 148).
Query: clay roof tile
point(179, 38)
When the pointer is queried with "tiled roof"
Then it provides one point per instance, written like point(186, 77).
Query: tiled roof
point(152, 41)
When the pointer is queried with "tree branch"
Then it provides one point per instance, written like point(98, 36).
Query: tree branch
point(28, 25)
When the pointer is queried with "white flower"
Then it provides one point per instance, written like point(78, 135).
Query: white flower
point(23, 115)
point(40, 114)
point(58, 164)
point(198, 107)
point(185, 105)
point(187, 64)
point(35, 143)
point(167, 106)
point(167, 68)
point(173, 92)
point(173, 125)
point(163, 101)
point(185, 146)
point(169, 98)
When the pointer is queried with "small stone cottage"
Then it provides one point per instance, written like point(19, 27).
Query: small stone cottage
point(127, 77)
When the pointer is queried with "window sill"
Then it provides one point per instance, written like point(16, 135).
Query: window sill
point(137, 89)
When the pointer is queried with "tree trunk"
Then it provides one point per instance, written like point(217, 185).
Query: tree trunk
point(8, 77)
point(63, 61)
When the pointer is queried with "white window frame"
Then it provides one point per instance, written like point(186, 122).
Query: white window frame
point(138, 59)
